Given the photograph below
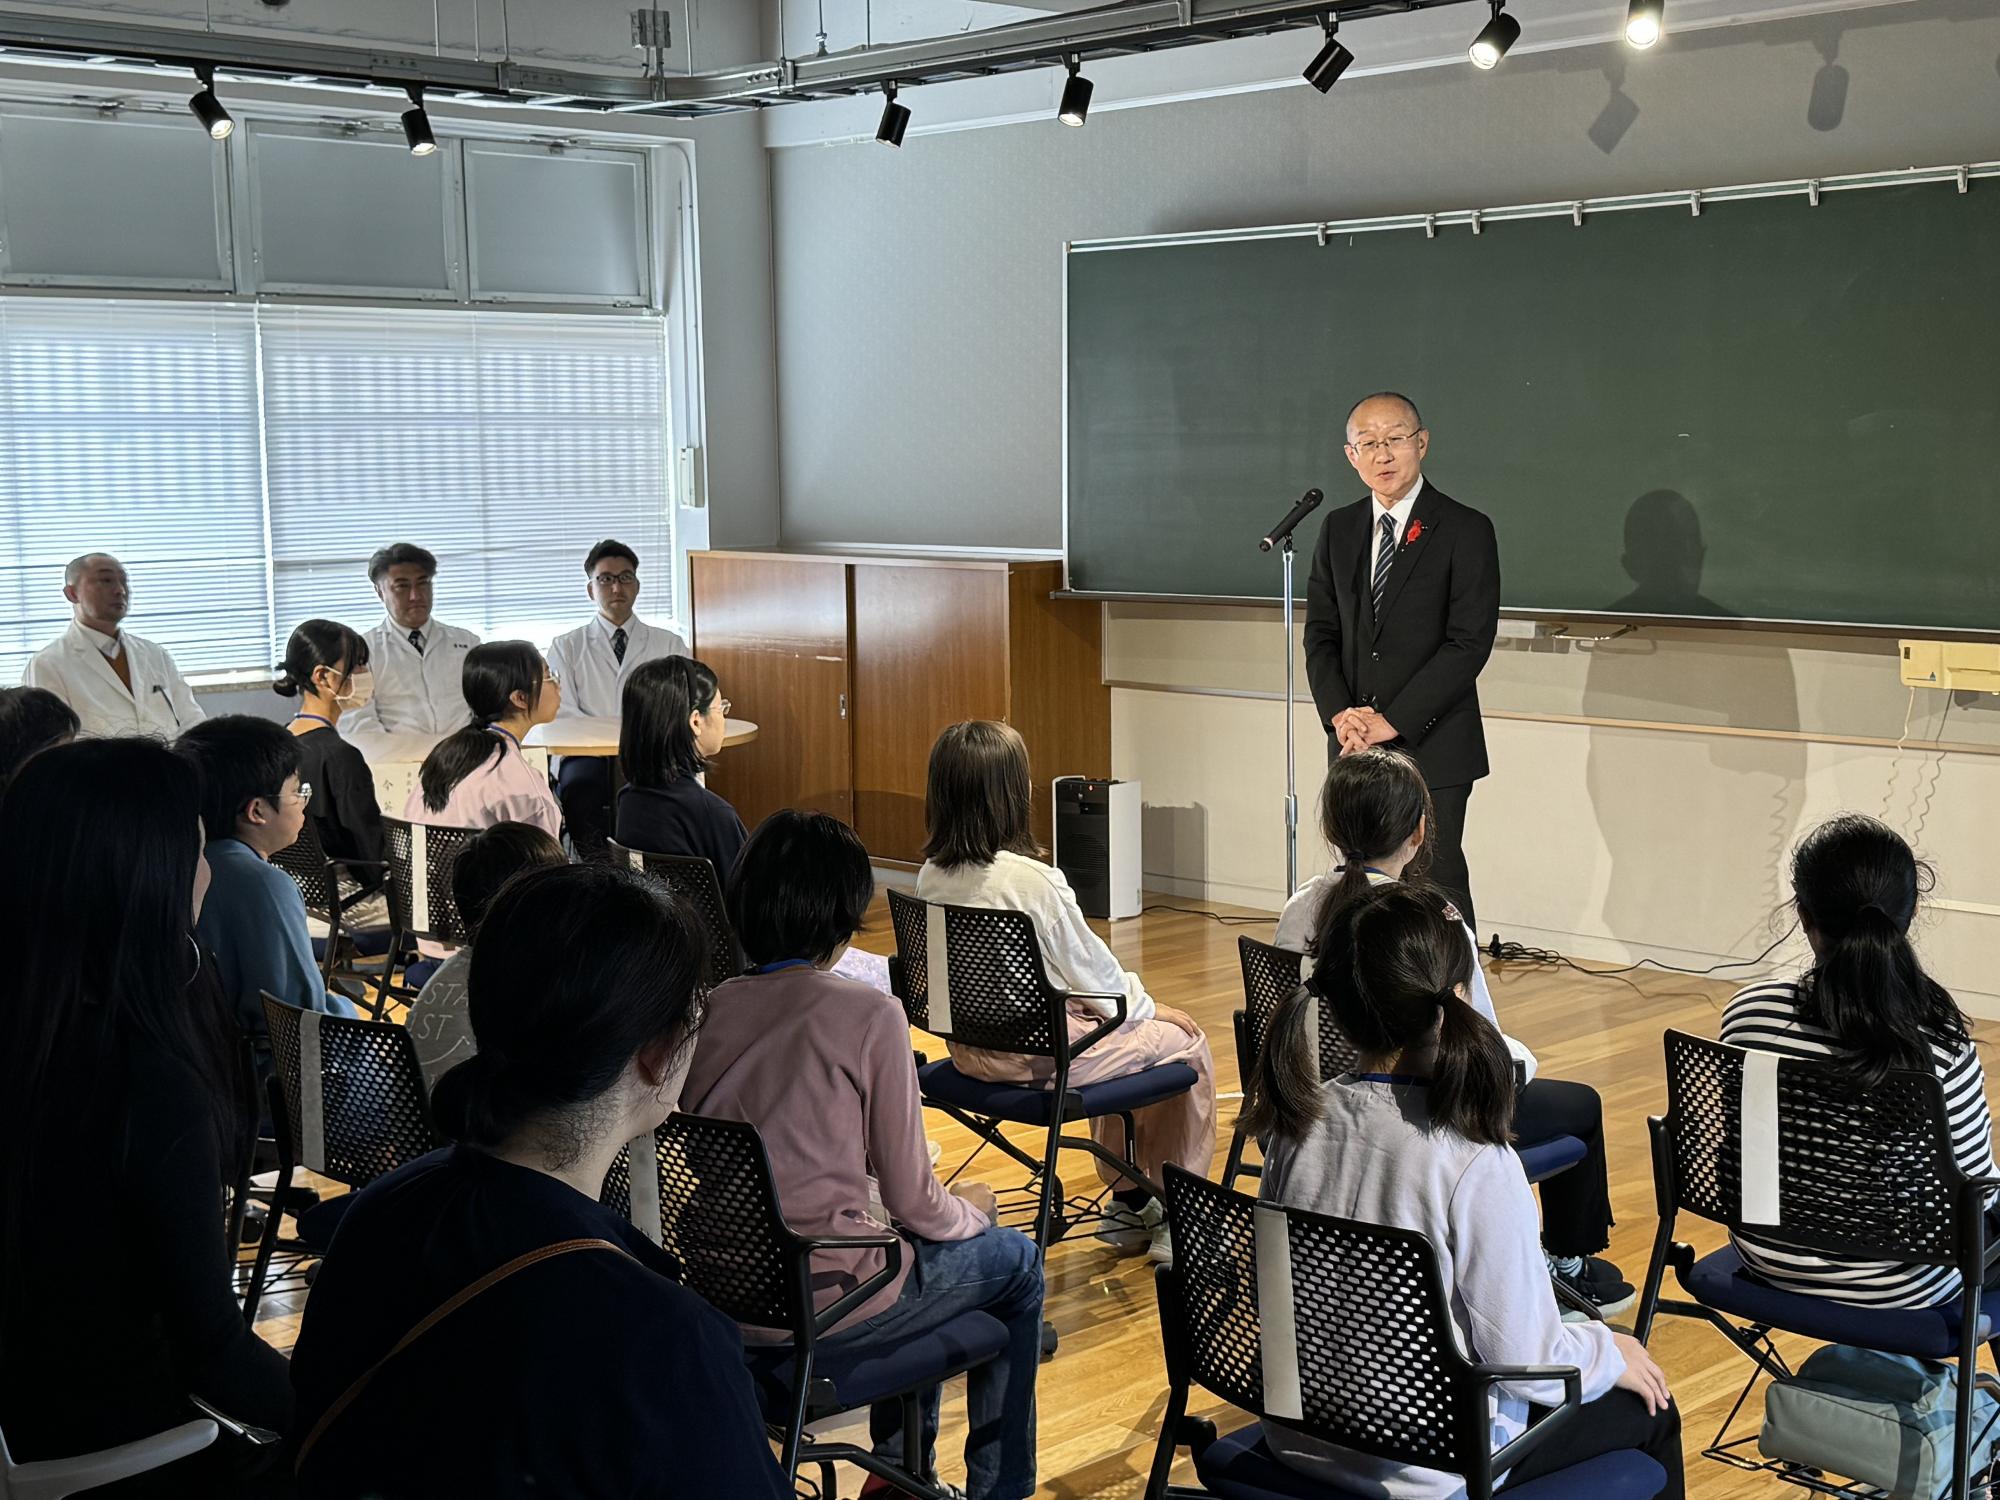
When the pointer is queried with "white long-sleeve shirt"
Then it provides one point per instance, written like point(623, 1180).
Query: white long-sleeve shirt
point(1373, 1156)
point(1076, 957)
point(76, 667)
point(593, 679)
point(416, 692)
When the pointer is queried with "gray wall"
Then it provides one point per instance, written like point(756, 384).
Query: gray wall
point(919, 292)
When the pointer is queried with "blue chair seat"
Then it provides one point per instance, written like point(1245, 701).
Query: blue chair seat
point(865, 1373)
point(1240, 1467)
point(1543, 1159)
point(1723, 1282)
point(369, 942)
point(1022, 1104)
point(418, 974)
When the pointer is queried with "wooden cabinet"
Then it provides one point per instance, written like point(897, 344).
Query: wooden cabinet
point(850, 698)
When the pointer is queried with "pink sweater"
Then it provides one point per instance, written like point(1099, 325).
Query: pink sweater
point(822, 1067)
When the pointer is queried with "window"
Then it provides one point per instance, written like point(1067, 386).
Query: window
point(244, 462)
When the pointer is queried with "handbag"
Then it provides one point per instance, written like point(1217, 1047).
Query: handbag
point(1886, 1420)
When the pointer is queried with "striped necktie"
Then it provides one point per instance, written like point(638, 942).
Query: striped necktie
point(417, 640)
point(1385, 554)
point(618, 645)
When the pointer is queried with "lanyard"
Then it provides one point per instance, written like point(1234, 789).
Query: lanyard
point(503, 730)
point(783, 963)
point(316, 718)
point(1407, 1079)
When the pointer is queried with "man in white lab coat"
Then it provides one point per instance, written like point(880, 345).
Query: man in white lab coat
point(593, 662)
point(418, 661)
point(116, 682)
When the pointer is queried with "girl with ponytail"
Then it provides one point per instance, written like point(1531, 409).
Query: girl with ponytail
point(1375, 814)
point(326, 670)
point(1866, 1003)
point(1419, 1137)
point(477, 777)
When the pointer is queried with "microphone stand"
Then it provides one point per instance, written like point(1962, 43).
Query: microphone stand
point(1280, 536)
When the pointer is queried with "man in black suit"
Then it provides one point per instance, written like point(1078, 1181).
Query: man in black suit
point(1401, 611)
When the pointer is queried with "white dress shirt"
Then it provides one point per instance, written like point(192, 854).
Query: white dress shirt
point(416, 692)
point(76, 667)
point(1400, 512)
point(593, 679)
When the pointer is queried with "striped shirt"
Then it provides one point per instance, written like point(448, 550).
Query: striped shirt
point(1766, 1017)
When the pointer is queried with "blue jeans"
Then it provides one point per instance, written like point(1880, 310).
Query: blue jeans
point(995, 1272)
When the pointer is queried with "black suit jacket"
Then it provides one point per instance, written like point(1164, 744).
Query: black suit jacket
point(1420, 664)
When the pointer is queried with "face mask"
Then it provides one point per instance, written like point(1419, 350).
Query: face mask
point(360, 689)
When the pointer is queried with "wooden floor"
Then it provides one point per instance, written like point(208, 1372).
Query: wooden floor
point(1101, 1396)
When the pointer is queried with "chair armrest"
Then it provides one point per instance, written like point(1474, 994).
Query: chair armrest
point(1103, 1028)
point(1572, 1384)
point(892, 1263)
point(87, 1471)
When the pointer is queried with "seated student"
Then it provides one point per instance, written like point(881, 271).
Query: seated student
point(673, 726)
point(1375, 814)
point(478, 777)
point(616, 1381)
point(593, 661)
point(1867, 1003)
point(437, 1022)
point(116, 1088)
point(326, 668)
point(822, 1067)
point(32, 720)
point(253, 804)
point(1418, 1137)
point(981, 853)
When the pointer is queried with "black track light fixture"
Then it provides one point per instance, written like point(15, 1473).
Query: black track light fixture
point(205, 107)
point(417, 124)
point(1495, 37)
point(1076, 95)
point(895, 118)
point(1645, 21)
point(1324, 71)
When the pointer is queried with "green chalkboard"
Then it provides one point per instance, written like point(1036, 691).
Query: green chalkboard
point(1771, 410)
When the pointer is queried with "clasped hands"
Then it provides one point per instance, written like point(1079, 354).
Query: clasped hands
point(1358, 728)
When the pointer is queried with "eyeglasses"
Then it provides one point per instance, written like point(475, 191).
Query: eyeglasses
point(303, 795)
point(606, 580)
point(1372, 447)
point(722, 706)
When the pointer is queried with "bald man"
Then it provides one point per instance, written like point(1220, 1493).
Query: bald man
point(117, 682)
point(1401, 611)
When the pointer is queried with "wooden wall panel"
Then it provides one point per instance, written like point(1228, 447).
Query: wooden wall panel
point(775, 631)
point(1058, 699)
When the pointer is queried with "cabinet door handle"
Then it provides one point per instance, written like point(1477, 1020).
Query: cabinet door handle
point(843, 705)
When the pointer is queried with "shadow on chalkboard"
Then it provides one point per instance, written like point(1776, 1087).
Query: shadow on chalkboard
point(1696, 827)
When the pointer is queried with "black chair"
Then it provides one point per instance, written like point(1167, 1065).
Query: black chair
point(1861, 1174)
point(1371, 1363)
point(330, 890)
point(420, 858)
point(717, 1213)
point(999, 998)
point(693, 879)
point(347, 1098)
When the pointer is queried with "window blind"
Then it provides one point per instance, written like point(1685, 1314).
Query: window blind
point(131, 428)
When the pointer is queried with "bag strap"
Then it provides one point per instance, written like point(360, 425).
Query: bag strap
point(436, 1316)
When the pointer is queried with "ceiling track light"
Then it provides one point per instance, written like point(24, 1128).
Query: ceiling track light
point(1495, 37)
point(895, 118)
point(417, 124)
point(208, 109)
point(1324, 71)
point(1645, 22)
point(1075, 96)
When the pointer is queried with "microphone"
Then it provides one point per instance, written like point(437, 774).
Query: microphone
point(1308, 503)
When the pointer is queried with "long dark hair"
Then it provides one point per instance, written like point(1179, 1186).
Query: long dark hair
point(493, 673)
point(978, 798)
point(1369, 806)
point(31, 720)
point(101, 839)
point(656, 744)
point(315, 644)
point(1390, 968)
point(1856, 886)
point(576, 971)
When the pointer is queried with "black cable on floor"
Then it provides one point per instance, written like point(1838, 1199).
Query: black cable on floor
point(1521, 953)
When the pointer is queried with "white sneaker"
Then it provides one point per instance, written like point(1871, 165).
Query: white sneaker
point(1161, 1251)
point(1131, 1229)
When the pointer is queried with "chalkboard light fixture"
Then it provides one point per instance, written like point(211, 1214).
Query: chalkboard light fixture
point(1644, 21)
point(1075, 96)
point(895, 118)
point(417, 124)
point(1495, 37)
point(1324, 71)
point(208, 109)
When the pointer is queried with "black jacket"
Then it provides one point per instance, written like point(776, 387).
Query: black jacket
point(1440, 611)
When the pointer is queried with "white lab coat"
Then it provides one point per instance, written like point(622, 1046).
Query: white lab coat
point(414, 693)
point(160, 701)
point(593, 679)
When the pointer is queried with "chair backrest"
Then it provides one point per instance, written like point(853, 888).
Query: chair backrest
point(1335, 1326)
point(354, 1098)
point(693, 879)
point(420, 857)
point(1269, 976)
point(316, 876)
point(974, 974)
point(718, 1216)
point(1790, 1147)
